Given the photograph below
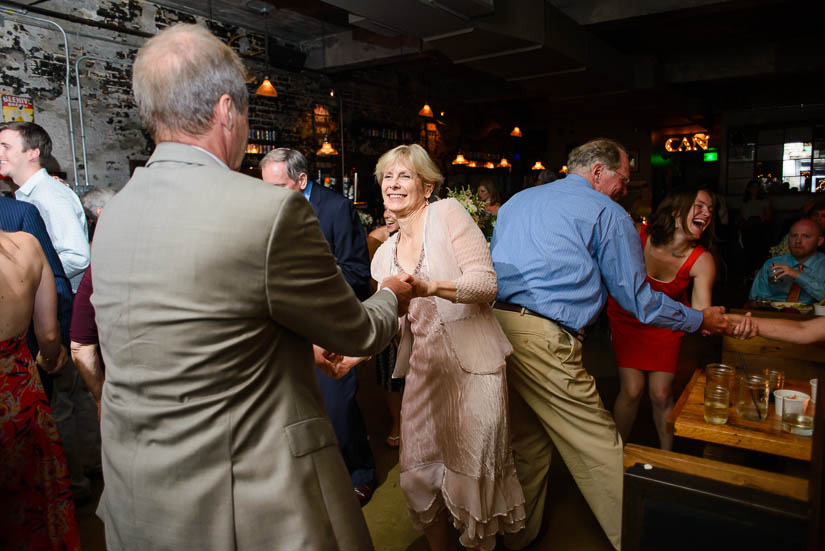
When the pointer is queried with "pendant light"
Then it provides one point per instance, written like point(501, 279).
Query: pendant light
point(490, 165)
point(426, 111)
point(516, 133)
point(504, 163)
point(538, 166)
point(266, 88)
point(459, 160)
point(326, 149)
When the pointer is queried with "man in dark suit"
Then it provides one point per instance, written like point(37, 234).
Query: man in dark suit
point(342, 229)
point(19, 216)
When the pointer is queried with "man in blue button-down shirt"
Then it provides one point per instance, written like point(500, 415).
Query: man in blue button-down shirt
point(558, 251)
point(798, 276)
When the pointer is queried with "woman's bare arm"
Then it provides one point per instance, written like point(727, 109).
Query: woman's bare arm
point(703, 273)
point(46, 326)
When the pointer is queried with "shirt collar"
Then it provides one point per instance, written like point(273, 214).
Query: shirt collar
point(578, 179)
point(308, 190)
point(223, 164)
point(28, 187)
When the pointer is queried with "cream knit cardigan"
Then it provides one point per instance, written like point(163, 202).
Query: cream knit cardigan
point(456, 251)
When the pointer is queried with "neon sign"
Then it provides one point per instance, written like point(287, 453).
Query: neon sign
point(688, 143)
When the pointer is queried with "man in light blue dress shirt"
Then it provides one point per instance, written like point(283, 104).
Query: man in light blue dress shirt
point(798, 276)
point(558, 251)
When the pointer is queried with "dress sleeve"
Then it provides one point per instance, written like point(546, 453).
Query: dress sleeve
point(477, 282)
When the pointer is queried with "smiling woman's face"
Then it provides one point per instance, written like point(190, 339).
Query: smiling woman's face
point(402, 190)
point(699, 216)
point(390, 221)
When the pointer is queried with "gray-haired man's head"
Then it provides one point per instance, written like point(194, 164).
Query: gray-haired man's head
point(286, 168)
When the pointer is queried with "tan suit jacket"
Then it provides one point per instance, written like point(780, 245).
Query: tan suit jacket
point(209, 288)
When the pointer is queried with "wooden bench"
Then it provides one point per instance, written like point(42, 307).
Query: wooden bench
point(680, 502)
point(780, 484)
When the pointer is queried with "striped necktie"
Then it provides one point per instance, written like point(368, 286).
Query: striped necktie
point(793, 293)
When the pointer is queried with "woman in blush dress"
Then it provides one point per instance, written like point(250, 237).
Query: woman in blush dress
point(36, 507)
point(456, 461)
point(675, 247)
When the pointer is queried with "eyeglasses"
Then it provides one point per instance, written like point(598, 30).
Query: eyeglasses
point(625, 179)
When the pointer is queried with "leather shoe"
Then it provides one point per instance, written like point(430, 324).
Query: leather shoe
point(363, 492)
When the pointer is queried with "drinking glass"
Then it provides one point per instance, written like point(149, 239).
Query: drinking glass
point(716, 404)
point(776, 380)
point(721, 375)
point(752, 397)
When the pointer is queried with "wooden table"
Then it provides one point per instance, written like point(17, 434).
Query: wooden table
point(688, 420)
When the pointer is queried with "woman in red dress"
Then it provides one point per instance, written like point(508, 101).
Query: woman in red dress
point(36, 508)
point(675, 246)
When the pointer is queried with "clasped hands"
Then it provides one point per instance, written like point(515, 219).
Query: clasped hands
point(716, 321)
point(53, 366)
point(406, 288)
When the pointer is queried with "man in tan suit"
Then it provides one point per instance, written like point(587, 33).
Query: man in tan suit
point(210, 287)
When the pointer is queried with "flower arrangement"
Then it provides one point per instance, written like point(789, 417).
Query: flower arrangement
point(366, 220)
point(477, 208)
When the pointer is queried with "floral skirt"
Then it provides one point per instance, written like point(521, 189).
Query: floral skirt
point(36, 508)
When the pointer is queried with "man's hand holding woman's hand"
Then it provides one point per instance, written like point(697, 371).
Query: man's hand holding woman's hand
point(53, 366)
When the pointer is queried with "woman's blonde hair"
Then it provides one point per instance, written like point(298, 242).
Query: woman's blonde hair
point(415, 157)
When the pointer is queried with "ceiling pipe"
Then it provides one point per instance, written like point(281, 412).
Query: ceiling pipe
point(22, 13)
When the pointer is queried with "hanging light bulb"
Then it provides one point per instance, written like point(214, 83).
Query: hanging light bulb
point(326, 149)
point(538, 166)
point(426, 111)
point(504, 163)
point(472, 164)
point(459, 160)
point(266, 89)
point(489, 164)
point(516, 133)
point(564, 168)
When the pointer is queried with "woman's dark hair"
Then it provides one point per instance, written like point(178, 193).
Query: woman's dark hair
point(676, 207)
point(495, 195)
point(747, 197)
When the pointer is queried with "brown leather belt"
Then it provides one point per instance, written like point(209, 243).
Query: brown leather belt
point(522, 310)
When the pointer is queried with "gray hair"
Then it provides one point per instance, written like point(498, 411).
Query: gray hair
point(94, 199)
point(178, 77)
point(296, 163)
point(601, 150)
point(415, 158)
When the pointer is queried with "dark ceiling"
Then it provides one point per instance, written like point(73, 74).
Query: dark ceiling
point(593, 57)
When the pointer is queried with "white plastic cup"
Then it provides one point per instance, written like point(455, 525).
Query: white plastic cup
point(790, 402)
point(813, 388)
point(819, 309)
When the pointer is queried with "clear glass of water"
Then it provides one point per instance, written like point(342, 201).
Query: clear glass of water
point(716, 404)
point(752, 397)
point(721, 375)
point(773, 274)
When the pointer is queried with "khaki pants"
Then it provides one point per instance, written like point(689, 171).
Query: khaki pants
point(554, 404)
